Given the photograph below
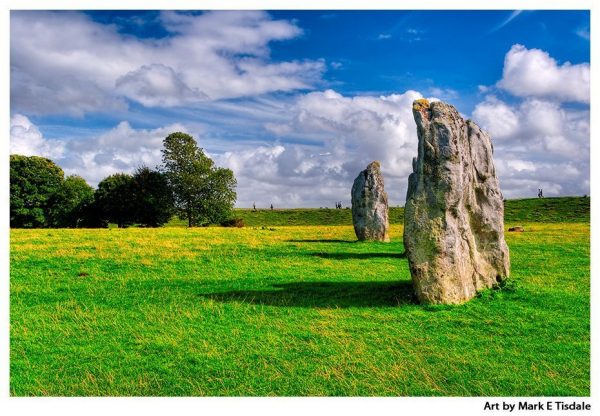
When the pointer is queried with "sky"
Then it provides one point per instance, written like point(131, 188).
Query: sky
point(297, 103)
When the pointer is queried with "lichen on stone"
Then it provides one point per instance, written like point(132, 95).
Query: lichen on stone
point(420, 104)
point(374, 165)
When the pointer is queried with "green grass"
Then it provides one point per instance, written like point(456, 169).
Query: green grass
point(564, 209)
point(288, 311)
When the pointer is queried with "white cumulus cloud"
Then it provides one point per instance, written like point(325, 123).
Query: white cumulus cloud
point(120, 149)
point(65, 63)
point(541, 134)
point(289, 150)
point(499, 119)
point(534, 73)
point(538, 144)
point(157, 85)
point(339, 136)
point(27, 140)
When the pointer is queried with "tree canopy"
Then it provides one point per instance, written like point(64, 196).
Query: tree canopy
point(188, 183)
point(153, 197)
point(69, 203)
point(203, 193)
point(115, 199)
point(33, 182)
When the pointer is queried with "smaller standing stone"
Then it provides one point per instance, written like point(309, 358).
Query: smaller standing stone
point(370, 205)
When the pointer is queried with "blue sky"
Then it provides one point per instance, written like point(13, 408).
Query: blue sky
point(298, 102)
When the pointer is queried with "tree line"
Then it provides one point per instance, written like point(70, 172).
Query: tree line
point(188, 184)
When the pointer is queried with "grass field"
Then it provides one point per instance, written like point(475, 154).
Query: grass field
point(287, 311)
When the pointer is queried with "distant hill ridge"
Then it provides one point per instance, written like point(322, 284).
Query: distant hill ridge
point(563, 209)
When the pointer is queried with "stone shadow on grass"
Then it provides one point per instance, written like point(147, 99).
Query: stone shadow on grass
point(358, 256)
point(322, 241)
point(324, 295)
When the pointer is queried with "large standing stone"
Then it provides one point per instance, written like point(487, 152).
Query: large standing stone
point(370, 205)
point(454, 215)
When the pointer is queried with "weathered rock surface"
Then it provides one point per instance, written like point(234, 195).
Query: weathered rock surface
point(370, 205)
point(454, 215)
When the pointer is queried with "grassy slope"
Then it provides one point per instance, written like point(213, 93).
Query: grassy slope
point(565, 209)
point(289, 311)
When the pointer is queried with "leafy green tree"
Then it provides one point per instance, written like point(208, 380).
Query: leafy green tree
point(33, 181)
point(219, 195)
point(67, 204)
point(153, 197)
point(115, 199)
point(91, 216)
point(203, 193)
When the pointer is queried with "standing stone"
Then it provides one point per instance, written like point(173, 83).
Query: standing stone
point(370, 205)
point(454, 215)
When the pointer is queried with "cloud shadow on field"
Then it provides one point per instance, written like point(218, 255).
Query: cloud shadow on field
point(324, 295)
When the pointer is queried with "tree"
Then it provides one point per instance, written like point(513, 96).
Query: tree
point(33, 181)
point(69, 202)
point(203, 193)
point(153, 198)
point(92, 216)
point(115, 199)
point(219, 196)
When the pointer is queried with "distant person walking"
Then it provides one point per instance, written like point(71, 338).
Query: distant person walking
point(540, 193)
point(254, 206)
point(271, 207)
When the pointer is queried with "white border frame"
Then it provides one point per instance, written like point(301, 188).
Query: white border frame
point(279, 406)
